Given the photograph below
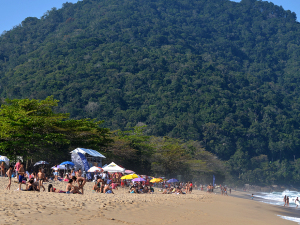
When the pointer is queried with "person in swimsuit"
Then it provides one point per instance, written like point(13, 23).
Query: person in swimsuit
point(21, 173)
point(99, 185)
point(69, 186)
point(287, 200)
point(66, 179)
point(52, 189)
point(55, 169)
point(30, 186)
point(81, 182)
point(17, 167)
point(41, 177)
point(70, 189)
point(9, 173)
point(284, 199)
point(72, 173)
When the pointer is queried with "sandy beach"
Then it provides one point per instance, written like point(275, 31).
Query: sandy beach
point(20, 207)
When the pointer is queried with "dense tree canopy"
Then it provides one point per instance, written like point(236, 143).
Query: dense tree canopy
point(219, 72)
point(30, 129)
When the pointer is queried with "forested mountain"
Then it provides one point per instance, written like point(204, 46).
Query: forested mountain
point(220, 72)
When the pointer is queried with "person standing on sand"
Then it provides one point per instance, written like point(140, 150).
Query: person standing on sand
point(21, 173)
point(9, 173)
point(2, 169)
point(17, 167)
point(41, 177)
point(191, 188)
point(55, 169)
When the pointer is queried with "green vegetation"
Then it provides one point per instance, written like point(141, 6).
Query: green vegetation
point(222, 73)
point(30, 128)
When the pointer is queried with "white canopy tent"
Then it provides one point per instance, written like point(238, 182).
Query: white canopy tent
point(113, 168)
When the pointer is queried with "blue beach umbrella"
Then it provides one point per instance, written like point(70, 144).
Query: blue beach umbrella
point(173, 180)
point(67, 163)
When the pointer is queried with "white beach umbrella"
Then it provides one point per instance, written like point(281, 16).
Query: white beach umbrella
point(94, 169)
point(4, 159)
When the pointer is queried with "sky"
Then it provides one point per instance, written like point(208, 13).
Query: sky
point(13, 12)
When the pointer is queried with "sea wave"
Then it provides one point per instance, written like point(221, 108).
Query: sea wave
point(276, 198)
point(294, 219)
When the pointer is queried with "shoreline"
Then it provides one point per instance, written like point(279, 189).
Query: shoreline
point(123, 208)
point(290, 211)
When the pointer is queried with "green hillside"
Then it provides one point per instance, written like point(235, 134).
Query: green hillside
point(220, 72)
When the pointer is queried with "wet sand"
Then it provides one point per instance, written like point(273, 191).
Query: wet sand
point(19, 207)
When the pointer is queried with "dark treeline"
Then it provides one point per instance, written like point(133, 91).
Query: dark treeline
point(221, 73)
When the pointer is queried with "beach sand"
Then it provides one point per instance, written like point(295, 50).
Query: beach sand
point(20, 207)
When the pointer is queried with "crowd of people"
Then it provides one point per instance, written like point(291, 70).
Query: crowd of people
point(104, 182)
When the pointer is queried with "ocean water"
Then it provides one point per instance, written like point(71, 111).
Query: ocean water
point(276, 198)
point(294, 219)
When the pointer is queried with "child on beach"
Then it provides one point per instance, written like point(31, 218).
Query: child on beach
point(9, 173)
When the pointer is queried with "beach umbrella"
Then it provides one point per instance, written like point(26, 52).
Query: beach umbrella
point(129, 171)
point(94, 169)
point(4, 159)
point(173, 180)
point(67, 163)
point(40, 163)
point(156, 180)
point(139, 179)
point(61, 167)
point(129, 177)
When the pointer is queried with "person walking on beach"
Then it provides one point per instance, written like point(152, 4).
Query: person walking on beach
point(9, 173)
point(284, 199)
point(21, 173)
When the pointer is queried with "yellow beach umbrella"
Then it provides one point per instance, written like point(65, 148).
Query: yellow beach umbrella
point(129, 177)
point(156, 180)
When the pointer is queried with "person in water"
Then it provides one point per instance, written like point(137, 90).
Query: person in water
point(284, 199)
point(297, 202)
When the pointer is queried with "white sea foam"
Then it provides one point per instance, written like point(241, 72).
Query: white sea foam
point(276, 198)
point(294, 219)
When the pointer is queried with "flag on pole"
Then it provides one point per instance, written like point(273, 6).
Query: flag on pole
point(86, 165)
